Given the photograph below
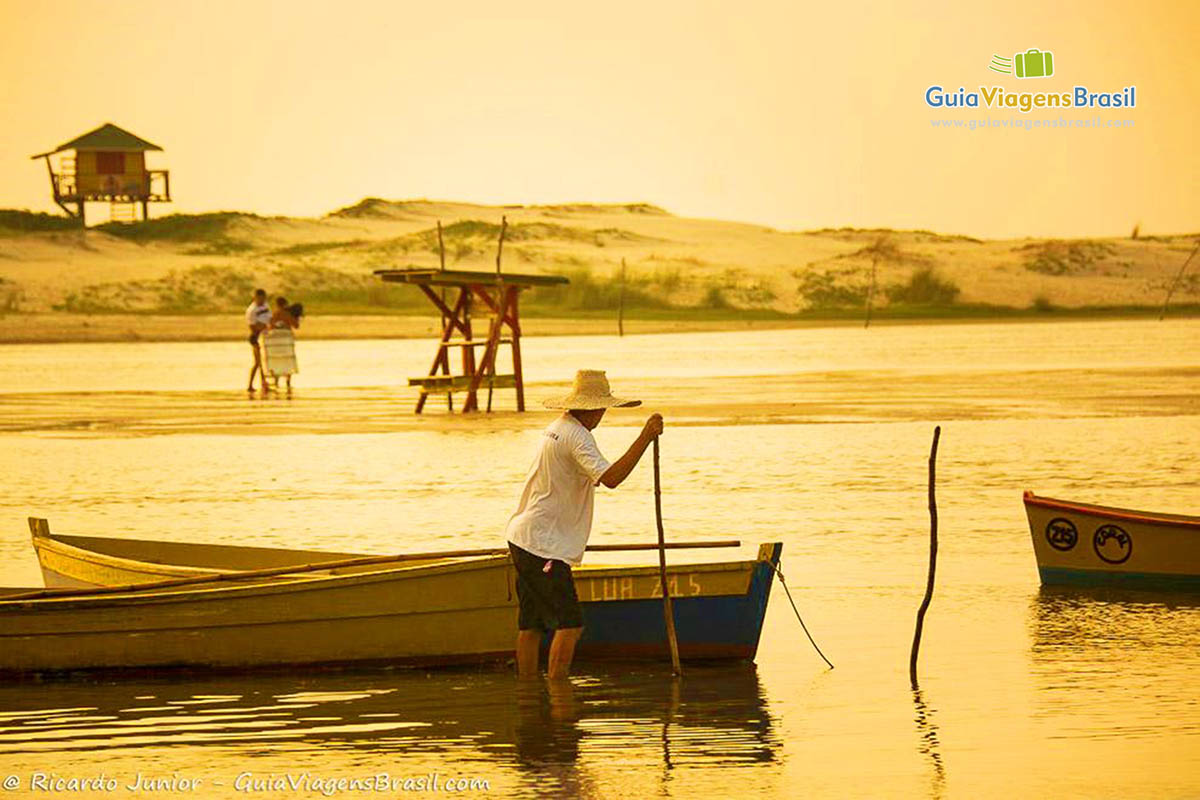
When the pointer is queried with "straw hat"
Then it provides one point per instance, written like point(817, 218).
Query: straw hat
point(590, 392)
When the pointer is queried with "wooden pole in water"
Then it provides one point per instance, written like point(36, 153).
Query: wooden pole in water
point(441, 251)
point(668, 611)
point(871, 291)
point(933, 548)
point(497, 326)
point(1175, 283)
point(500, 245)
point(621, 303)
point(445, 353)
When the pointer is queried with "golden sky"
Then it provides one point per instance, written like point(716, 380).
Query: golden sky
point(790, 114)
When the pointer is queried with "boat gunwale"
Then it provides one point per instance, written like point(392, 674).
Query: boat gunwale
point(394, 613)
point(82, 554)
point(53, 544)
point(308, 582)
point(233, 585)
point(61, 547)
point(1112, 512)
point(64, 545)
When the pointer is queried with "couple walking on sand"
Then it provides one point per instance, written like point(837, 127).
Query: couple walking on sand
point(272, 340)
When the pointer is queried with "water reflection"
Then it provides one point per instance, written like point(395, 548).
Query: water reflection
point(563, 738)
point(929, 744)
point(548, 735)
point(1109, 664)
point(1070, 620)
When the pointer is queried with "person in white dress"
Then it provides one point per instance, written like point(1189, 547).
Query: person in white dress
point(279, 342)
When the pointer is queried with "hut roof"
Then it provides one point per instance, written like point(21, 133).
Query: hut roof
point(107, 137)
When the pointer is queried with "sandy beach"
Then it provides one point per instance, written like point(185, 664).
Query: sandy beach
point(53, 327)
point(63, 327)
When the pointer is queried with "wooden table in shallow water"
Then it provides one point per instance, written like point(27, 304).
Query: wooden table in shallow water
point(499, 292)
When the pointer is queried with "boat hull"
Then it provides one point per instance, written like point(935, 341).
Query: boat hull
point(452, 611)
point(1079, 544)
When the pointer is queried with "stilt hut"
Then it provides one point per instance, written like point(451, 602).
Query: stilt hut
point(107, 165)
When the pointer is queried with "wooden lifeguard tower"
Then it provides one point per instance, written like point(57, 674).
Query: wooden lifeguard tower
point(107, 165)
point(498, 293)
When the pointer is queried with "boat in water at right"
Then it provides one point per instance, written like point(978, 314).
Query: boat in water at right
point(1082, 544)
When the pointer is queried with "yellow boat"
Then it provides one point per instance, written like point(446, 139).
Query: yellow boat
point(1091, 545)
point(91, 561)
point(429, 611)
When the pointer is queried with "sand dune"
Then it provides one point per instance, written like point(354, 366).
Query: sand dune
point(191, 264)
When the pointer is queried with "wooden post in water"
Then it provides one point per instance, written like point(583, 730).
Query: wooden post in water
point(500, 246)
point(441, 252)
point(445, 354)
point(1175, 283)
point(933, 548)
point(871, 290)
point(668, 611)
point(497, 326)
point(621, 303)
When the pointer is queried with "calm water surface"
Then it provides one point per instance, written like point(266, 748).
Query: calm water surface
point(1024, 692)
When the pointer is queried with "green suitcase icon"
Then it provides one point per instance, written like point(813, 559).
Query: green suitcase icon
point(1034, 64)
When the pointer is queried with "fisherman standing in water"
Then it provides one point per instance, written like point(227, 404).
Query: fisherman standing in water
point(258, 316)
point(549, 532)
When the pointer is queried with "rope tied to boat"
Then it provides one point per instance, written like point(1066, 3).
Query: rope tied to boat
point(800, 619)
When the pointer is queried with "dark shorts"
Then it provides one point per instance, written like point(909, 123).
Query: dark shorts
point(548, 600)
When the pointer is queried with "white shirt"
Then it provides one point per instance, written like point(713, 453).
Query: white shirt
point(258, 315)
point(554, 517)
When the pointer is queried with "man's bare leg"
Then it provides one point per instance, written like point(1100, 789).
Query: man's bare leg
point(562, 650)
point(256, 369)
point(528, 644)
point(562, 699)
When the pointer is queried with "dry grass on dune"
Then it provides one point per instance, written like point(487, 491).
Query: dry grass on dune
point(194, 264)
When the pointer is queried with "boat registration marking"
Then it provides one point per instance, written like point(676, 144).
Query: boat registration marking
point(640, 588)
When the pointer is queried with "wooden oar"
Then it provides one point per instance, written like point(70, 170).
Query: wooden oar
point(325, 565)
point(668, 611)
